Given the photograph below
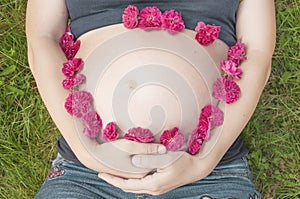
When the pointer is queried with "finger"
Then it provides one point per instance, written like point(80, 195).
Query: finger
point(133, 147)
point(153, 184)
point(125, 184)
point(156, 161)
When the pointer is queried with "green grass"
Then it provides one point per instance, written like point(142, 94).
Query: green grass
point(27, 134)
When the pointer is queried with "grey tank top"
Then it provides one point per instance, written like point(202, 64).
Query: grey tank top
point(86, 15)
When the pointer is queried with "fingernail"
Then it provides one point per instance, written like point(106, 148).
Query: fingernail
point(136, 160)
point(162, 149)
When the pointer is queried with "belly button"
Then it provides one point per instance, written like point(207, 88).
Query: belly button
point(132, 84)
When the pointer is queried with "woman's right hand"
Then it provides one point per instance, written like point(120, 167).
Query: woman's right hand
point(116, 157)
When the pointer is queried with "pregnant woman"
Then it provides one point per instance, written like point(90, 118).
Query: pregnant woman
point(88, 167)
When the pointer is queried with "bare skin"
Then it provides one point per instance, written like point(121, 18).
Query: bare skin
point(46, 22)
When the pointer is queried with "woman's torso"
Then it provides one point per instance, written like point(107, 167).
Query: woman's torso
point(90, 20)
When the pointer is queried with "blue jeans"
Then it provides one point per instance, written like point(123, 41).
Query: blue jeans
point(67, 179)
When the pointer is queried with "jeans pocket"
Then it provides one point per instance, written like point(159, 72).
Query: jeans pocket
point(56, 167)
point(237, 168)
point(55, 172)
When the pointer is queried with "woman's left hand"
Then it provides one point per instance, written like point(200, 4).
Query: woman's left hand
point(174, 169)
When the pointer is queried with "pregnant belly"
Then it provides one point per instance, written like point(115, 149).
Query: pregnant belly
point(149, 79)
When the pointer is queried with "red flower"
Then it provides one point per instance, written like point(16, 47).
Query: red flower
point(203, 129)
point(195, 140)
point(213, 114)
point(150, 18)
point(206, 34)
point(237, 53)
point(71, 66)
point(93, 124)
point(172, 21)
point(231, 69)
point(67, 44)
point(110, 132)
point(226, 90)
point(70, 83)
point(130, 17)
point(194, 146)
point(173, 139)
point(139, 135)
point(78, 103)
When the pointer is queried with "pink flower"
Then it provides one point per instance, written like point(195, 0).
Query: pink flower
point(173, 139)
point(200, 133)
point(206, 34)
point(226, 90)
point(139, 135)
point(194, 135)
point(194, 146)
point(231, 69)
point(214, 115)
point(110, 132)
point(71, 66)
point(91, 132)
point(130, 17)
point(92, 119)
point(203, 129)
point(150, 18)
point(172, 21)
point(67, 44)
point(68, 104)
point(237, 53)
point(78, 103)
point(70, 83)
point(79, 79)
point(93, 124)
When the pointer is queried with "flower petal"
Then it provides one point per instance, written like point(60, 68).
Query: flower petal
point(139, 135)
point(130, 17)
point(173, 139)
point(226, 90)
point(206, 34)
point(150, 18)
point(110, 132)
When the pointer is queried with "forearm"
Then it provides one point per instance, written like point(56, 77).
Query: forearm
point(46, 63)
point(257, 32)
point(236, 116)
point(45, 23)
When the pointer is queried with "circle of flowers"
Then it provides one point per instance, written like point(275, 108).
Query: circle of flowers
point(79, 103)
